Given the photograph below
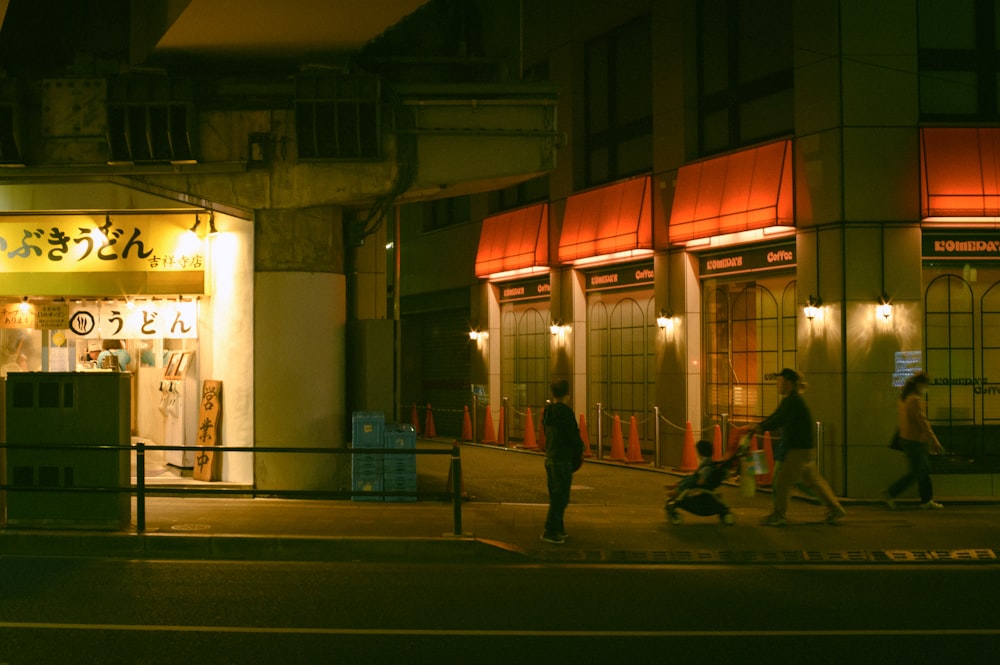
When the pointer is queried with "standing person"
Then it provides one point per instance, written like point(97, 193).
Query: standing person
point(798, 451)
point(563, 456)
point(918, 441)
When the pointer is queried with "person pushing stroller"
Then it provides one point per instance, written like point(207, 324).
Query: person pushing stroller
point(698, 492)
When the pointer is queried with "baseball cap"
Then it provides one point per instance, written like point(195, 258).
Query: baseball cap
point(789, 374)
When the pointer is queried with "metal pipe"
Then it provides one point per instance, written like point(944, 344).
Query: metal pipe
point(725, 432)
point(456, 486)
point(140, 487)
point(600, 431)
point(819, 446)
point(505, 434)
point(656, 436)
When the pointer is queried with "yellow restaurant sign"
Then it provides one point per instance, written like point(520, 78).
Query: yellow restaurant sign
point(101, 243)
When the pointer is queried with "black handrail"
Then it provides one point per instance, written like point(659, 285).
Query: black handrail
point(140, 490)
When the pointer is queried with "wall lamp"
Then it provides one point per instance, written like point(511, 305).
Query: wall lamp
point(558, 327)
point(664, 319)
point(475, 335)
point(812, 307)
point(884, 308)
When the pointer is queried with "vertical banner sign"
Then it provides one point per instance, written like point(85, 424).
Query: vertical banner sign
point(206, 466)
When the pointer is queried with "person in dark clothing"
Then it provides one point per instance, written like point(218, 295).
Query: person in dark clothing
point(795, 452)
point(563, 456)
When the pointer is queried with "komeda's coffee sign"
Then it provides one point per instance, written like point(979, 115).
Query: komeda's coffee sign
point(960, 246)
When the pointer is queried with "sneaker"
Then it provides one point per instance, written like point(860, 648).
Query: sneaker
point(835, 514)
point(773, 520)
point(554, 538)
point(889, 500)
point(674, 517)
point(931, 505)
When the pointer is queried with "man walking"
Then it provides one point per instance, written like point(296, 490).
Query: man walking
point(798, 451)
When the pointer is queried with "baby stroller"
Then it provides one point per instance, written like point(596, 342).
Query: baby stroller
point(699, 492)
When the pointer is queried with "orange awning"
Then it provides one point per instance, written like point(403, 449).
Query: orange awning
point(517, 240)
point(750, 189)
point(607, 220)
point(960, 172)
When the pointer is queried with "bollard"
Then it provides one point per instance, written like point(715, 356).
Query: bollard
point(456, 486)
point(656, 436)
point(600, 431)
point(140, 487)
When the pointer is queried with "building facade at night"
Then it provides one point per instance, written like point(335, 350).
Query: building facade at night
point(747, 186)
point(448, 204)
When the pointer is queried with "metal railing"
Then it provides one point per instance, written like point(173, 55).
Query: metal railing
point(141, 490)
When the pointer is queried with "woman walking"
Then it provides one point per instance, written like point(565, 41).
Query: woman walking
point(918, 442)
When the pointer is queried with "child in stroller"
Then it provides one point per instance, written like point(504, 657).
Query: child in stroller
point(698, 493)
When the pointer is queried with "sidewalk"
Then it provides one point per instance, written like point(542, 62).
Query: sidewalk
point(615, 516)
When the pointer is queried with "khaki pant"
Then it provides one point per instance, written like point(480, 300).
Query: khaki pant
point(799, 467)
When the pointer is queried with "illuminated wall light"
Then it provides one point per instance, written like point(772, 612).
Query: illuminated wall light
point(665, 320)
point(476, 335)
point(884, 308)
point(558, 328)
point(24, 306)
point(812, 307)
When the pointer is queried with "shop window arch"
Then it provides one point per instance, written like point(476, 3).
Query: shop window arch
point(744, 346)
point(621, 363)
point(525, 352)
point(950, 350)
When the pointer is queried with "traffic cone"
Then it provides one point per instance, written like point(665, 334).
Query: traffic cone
point(529, 433)
point(585, 436)
point(540, 441)
point(617, 444)
point(466, 425)
point(689, 458)
point(489, 436)
point(500, 429)
point(429, 430)
point(716, 443)
point(414, 420)
point(767, 478)
point(634, 451)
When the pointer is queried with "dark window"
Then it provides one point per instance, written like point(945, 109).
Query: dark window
point(958, 59)
point(745, 78)
point(619, 103)
point(446, 212)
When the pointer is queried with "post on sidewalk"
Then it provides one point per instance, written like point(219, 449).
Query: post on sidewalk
point(506, 423)
point(140, 487)
point(600, 431)
point(725, 433)
point(656, 436)
point(456, 486)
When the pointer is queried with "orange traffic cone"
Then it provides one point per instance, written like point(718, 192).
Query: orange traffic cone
point(414, 420)
point(585, 437)
point(489, 436)
point(529, 432)
point(617, 444)
point(429, 430)
point(634, 451)
point(689, 458)
point(500, 429)
point(466, 425)
point(716, 443)
point(767, 478)
point(541, 434)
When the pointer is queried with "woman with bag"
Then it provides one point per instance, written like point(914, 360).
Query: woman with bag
point(918, 442)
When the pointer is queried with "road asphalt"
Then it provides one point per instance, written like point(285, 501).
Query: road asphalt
point(615, 516)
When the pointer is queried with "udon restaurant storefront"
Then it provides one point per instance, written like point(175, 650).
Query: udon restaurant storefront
point(162, 297)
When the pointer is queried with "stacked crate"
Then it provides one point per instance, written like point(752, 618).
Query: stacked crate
point(400, 471)
point(368, 431)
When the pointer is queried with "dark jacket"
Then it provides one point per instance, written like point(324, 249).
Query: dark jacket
point(795, 423)
point(562, 435)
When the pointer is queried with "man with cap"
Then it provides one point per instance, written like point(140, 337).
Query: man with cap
point(795, 452)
